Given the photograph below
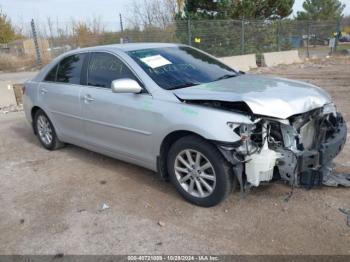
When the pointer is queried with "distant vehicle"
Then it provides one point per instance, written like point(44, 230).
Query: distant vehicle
point(344, 38)
point(179, 111)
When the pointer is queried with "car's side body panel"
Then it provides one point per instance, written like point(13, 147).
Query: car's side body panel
point(119, 122)
point(130, 127)
point(30, 98)
point(207, 122)
point(62, 102)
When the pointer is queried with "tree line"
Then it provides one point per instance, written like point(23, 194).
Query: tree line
point(153, 15)
point(315, 10)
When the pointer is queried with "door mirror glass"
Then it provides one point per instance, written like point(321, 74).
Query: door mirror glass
point(126, 85)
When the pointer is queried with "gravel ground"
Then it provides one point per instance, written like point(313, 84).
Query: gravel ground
point(51, 202)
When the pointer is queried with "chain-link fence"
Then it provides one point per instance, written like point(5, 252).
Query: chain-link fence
point(218, 37)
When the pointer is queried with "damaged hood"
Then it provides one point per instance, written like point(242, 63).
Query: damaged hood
point(268, 96)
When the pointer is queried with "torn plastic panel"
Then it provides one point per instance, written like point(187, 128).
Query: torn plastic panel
point(238, 107)
point(298, 150)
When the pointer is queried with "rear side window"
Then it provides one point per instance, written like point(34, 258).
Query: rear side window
point(104, 68)
point(51, 76)
point(69, 69)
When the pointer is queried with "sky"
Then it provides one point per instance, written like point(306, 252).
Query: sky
point(22, 11)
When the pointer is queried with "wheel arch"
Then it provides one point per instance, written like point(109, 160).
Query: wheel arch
point(32, 113)
point(167, 142)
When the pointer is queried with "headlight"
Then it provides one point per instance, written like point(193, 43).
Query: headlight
point(241, 129)
point(244, 131)
point(330, 109)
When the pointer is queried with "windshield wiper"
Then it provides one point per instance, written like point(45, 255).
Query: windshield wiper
point(225, 77)
point(183, 85)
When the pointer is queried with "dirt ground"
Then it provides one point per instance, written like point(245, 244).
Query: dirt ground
point(51, 201)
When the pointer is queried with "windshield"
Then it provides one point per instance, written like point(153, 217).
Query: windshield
point(181, 66)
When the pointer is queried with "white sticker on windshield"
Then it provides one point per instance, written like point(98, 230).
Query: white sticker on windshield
point(155, 61)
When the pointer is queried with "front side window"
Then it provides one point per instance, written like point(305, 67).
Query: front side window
point(181, 66)
point(69, 69)
point(51, 76)
point(104, 68)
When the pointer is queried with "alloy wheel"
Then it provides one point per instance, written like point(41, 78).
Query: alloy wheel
point(44, 129)
point(195, 173)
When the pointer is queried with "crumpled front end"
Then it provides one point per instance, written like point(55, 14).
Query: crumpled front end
point(298, 150)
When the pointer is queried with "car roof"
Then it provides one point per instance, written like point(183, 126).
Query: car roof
point(126, 47)
point(110, 48)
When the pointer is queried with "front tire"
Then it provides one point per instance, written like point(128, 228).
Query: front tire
point(199, 171)
point(45, 131)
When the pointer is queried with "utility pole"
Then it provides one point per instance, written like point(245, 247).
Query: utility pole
point(36, 44)
point(121, 28)
point(338, 30)
point(188, 16)
point(308, 39)
point(278, 30)
point(121, 23)
point(242, 36)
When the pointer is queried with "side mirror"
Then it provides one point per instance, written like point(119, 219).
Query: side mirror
point(126, 85)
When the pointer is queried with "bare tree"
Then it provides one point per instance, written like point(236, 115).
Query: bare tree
point(151, 13)
point(51, 33)
point(96, 26)
point(88, 33)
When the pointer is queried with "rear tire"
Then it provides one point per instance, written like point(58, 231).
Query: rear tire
point(199, 171)
point(45, 131)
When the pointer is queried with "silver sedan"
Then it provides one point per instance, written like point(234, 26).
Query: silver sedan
point(181, 112)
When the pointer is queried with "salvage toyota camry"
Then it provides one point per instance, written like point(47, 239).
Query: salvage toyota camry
point(181, 112)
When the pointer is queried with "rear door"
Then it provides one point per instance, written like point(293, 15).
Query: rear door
point(118, 123)
point(59, 94)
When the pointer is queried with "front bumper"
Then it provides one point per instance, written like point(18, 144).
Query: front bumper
point(312, 165)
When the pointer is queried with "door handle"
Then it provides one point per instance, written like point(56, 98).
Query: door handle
point(88, 98)
point(43, 91)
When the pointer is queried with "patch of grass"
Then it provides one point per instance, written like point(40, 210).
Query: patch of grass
point(14, 63)
point(343, 46)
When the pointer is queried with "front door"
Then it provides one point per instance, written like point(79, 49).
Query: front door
point(119, 123)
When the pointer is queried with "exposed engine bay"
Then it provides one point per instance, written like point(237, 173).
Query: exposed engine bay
point(298, 150)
